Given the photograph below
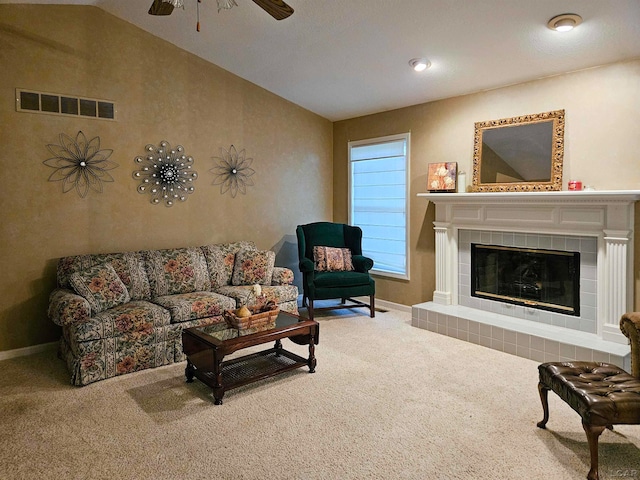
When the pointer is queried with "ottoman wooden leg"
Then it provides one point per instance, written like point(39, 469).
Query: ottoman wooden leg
point(544, 394)
point(593, 432)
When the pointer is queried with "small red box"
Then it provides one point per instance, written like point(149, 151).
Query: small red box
point(575, 185)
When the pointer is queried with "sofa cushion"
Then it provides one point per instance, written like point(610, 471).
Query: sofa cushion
point(194, 305)
point(341, 279)
point(130, 268)
point(220, 260)
point(243, 294)
point(253, 266)
point(100, 286)
point(136, 318)
point(332, 259)
point(176, 270)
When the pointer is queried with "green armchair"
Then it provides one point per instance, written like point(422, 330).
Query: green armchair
point(319, 284)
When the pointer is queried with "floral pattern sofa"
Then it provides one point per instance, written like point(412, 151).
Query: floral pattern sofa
point(124, 312)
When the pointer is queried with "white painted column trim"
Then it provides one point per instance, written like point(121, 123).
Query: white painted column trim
point(616, 296)
point(442, 294)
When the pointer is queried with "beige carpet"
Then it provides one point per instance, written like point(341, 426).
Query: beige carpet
point(388, 401)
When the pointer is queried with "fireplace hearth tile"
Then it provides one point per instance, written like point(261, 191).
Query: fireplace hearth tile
point(510, 348)
point(601, 357)
point(544, 241)
point(537, 343)
point(497, 333)
point(585, 353)
point(485, 330)
point(573, 244)
point(510, 336)
point(538, 356)
point(532, 241)
point(558, 243)
point(474, 327)
point(589, 245)
point(572, 323)
point(567, 351)
point(552, 347)
point(524, 338)
point(523, 352)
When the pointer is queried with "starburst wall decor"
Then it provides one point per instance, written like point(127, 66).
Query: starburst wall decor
point(233, 171)
point(167, 174)
point(80, 164)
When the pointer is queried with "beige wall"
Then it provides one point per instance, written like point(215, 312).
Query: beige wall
point(161, 93)
point(602, 145)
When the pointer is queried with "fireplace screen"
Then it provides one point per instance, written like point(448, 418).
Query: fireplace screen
point(537, 278)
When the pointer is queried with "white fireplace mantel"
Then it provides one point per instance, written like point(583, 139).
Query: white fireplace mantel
point(605, 215)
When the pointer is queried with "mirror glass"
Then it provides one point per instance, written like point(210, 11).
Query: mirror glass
point(519, 154)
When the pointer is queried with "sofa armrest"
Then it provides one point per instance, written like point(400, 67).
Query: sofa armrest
point(362, 263)
point(306, 265)
point(282, 276)
point(65, 307)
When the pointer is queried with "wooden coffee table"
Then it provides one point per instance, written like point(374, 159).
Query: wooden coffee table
point(206, 347)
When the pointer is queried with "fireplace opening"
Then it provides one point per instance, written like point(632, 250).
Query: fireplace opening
point(537, 278)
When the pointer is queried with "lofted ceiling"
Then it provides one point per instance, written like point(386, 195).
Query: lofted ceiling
point(343, 59)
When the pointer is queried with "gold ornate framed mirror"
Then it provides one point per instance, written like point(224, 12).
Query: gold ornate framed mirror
point(519, 154)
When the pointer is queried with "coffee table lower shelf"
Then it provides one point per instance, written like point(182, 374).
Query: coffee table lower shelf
point(247, 369)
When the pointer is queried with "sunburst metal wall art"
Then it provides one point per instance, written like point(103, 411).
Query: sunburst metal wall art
point(166, 173)
point(80, 164)
point(233, 171)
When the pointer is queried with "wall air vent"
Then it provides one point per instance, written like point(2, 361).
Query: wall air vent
point(51, 103)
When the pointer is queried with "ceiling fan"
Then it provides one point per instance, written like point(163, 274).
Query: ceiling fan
point(276, 8)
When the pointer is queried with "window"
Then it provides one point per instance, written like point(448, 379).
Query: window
point(378, 201)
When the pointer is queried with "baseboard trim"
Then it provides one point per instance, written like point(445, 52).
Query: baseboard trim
point(22, 352)
point(386, 304)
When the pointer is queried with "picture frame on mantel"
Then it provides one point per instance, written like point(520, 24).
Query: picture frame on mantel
point(442, 177)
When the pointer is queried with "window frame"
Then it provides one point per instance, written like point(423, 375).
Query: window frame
point(373, 141)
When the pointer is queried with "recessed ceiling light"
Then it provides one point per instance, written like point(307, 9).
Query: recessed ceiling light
point(564, 22)
point(419, 64)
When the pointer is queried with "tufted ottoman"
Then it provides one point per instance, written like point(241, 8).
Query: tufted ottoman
point(603, 395)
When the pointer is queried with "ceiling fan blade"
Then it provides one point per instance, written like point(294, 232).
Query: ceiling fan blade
point(159, 7)
point(276, 8)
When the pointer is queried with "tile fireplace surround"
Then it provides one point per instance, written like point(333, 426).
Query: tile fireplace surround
point(599, 225)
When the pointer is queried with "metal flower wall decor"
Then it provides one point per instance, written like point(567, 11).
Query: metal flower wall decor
point(166, 173)
point(80, 164)
point(233, 171)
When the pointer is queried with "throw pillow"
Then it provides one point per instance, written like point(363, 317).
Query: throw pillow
point(253, 266)
point(220, 259)
point(100, 286)
point(332, 259)
point(176, 271)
